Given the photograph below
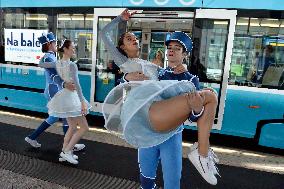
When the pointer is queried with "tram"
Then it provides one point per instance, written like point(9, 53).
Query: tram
point(232, 41)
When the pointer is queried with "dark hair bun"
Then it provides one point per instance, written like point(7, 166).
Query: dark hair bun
point(64, 43)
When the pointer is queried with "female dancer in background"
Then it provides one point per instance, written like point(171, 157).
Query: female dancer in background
point(53, 84)
point(69, 104)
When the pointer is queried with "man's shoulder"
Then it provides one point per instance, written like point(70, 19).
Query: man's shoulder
point(187, 75)
point(48, 57)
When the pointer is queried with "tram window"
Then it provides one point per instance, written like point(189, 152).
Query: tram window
point(208, 57)
point(78, 28)
point(36, 21)
point(89, 21)
point(263, 26)
point(213, 49)
point(25, 20)
point(242, 25)
point(257, 59)
point(157, 47)
point(281, 29)
point(70, 21)
point(14, 20)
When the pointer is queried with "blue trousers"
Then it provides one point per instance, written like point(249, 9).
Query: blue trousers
point(47, 123)
point(170, 153)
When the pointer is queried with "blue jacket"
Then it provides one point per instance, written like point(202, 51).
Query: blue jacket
point(53, 81)
point(168, 74)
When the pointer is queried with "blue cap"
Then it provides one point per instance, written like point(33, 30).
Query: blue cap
point(182, 38)
point(46, 38)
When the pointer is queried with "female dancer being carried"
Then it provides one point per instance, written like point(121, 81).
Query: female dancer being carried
point(151, 112)
point(69, 104)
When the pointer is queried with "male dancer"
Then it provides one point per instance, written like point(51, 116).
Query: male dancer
point(170, 151)
point(53, 84)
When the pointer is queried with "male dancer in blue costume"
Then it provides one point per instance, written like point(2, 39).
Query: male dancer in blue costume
point(53, 84)
point(170, 151)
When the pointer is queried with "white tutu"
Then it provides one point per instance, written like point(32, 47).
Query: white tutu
point(126, 110)
point(65, 103)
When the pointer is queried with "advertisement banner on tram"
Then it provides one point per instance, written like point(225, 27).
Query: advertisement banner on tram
point(22, 45)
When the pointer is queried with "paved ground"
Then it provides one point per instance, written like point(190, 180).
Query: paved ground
point(11, 180)
point(110, 161)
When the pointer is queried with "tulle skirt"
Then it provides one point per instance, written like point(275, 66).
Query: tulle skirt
point(65, 103)
point(126, 110)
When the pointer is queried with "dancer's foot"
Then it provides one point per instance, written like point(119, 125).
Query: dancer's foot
point(203, 166)
point(214, 167)
point(211, 153)
point(60, 159)
point(33, 143)
point(68, 156)
point(79, 147)
point(212, 157)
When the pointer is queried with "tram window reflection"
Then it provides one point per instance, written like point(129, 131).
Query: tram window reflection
point(14, 20)
point(196, 67)
point(78, 28)
point(36, 21)
point(210, 42)
point(157, 52)
point(258, 59)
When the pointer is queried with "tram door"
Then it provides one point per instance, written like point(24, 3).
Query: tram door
point(213, 36)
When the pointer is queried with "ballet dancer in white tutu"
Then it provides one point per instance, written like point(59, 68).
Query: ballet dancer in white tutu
point(69, 104)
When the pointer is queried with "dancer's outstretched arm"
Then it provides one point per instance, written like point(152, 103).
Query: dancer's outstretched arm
point(119, 58)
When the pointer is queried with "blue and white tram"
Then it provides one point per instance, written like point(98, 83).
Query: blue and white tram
point(238, 50)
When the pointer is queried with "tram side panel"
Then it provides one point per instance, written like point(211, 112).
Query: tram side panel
point(272, 135)
point(23, 76)
point(245, 109)
point(21, 99)
point(23, 87)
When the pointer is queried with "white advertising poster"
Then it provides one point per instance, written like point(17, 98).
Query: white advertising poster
point(22, 45)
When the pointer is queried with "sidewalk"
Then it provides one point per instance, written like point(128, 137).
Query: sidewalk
point(232, 157)
point(11, 180)
point(109, 164)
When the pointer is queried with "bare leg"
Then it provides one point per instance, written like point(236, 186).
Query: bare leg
point(205, 122)
point(72, 128)
point(168, 114)
point(79, 133)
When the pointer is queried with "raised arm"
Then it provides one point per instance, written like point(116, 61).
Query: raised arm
point(75, 78)
point(119, 58)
